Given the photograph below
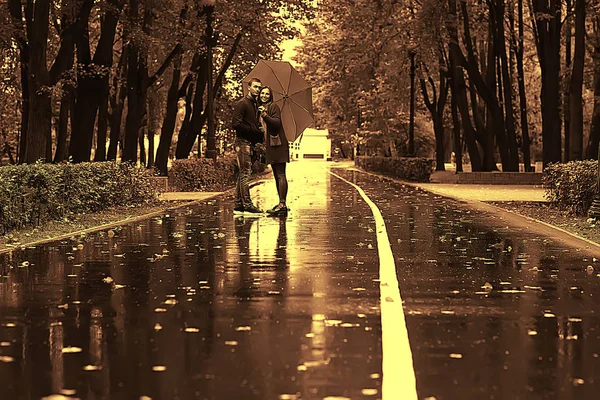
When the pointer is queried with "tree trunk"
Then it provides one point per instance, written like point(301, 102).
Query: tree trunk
point(411, 119)
point(456, 130)
point(592, 146)
point(186, 138)
point(63, 127)
point(138, 83)
point(522, 93)
point(566, 97)
point(184, 131)
point(152, 113)
point(511, 136)
point(459, 87)
point(487, 94)
point(436, 109)
point(198, 116)
point(16, 13)
point(117, 105)
point(137, 76)
point(84, 120)
point(40, 112)
point(168, 126)
point(576, 87)
point(102, 127)
point(24, 60)
point(141, 143)
point(488, 138)
point(547, 31)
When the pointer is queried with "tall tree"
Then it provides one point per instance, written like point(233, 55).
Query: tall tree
point(519, 50)
point(93, 80)
point(141, 13)
point(546, 19)
point(34, 37)
point(594, 139)
point(576, 85)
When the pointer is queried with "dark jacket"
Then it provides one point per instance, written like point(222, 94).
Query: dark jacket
point(278, 154)
point(245, 120)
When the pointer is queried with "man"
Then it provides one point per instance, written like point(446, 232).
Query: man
point(249, 137)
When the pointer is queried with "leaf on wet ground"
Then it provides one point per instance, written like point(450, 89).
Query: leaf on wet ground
point(243, 328)
point(288, 396)
point(159, 368)
point(92, 368)
point(317, 363)
point(455, 355)
point(72, 349)
point(369, 392)
point(231, 343)
point(6, 359)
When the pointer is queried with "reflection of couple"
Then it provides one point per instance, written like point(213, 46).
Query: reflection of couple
point(249, 259)
point(243, 227)
point(257, 121)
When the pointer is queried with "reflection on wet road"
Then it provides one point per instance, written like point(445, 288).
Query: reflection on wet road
point(492, 311)
point(201, 304)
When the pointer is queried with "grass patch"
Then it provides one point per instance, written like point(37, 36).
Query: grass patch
point(545, 212)
point(54, 229)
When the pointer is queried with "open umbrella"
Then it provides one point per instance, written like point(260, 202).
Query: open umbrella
point(290, 91)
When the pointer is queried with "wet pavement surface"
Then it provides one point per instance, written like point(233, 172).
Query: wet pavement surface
point(202, 304)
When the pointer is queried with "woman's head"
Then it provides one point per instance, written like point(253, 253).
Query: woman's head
point(265, 95)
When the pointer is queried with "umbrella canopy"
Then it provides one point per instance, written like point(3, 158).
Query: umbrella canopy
point(290, 91)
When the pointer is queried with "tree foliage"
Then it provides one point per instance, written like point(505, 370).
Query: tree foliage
point(99, 72)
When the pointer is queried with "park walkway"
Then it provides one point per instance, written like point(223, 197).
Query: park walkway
point(370, 288)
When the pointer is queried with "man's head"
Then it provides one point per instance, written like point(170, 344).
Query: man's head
point(254, 85)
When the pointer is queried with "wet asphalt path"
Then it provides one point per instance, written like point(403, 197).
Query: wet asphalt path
point(201, 304)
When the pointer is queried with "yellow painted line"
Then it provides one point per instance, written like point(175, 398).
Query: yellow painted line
point(399, 381)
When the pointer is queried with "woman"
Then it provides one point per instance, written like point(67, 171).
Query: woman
point(278, 149)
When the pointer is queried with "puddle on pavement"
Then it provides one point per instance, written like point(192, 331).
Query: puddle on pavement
point(199, 304)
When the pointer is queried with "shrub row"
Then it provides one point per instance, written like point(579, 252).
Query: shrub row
point(571, 186)
point(416, 169)
point(35, 193)
point(203, 174)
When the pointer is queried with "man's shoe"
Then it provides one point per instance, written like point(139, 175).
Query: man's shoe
point(239, 209)
point(252, 210)
point(278, 211)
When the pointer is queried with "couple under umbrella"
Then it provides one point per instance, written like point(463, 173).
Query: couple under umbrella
point(275, 110)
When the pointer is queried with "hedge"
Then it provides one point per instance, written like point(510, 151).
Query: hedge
point(203, 174)
point(35, 193)
point(571, 186)
point(416, 169)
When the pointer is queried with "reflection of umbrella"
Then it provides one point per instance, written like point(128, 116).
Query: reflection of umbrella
point(290, 91)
